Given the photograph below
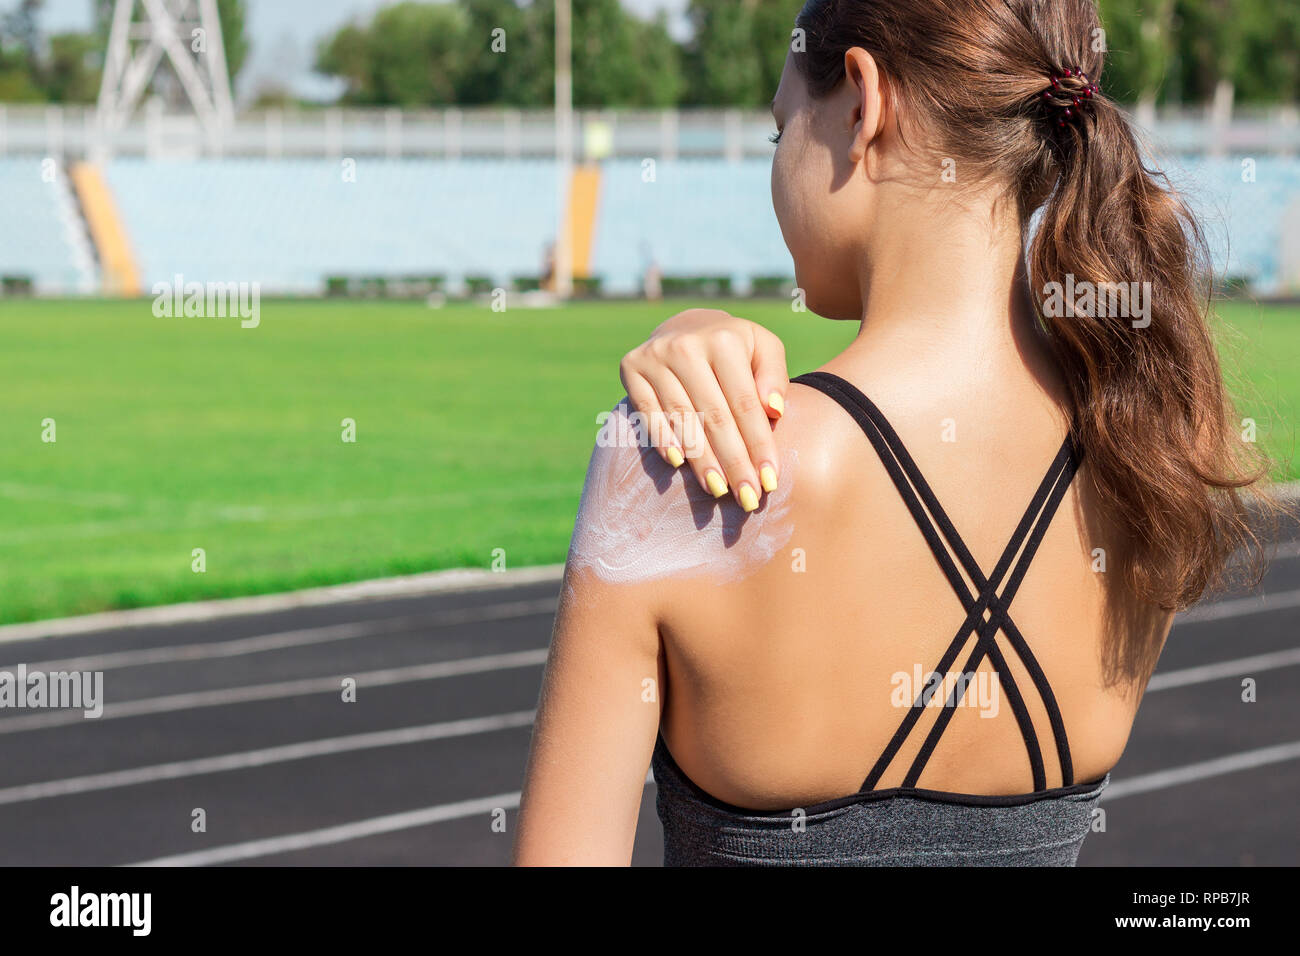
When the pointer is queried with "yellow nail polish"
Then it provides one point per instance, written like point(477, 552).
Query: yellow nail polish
point(748, 498)
point(767, 475)
point(776, 403)
point(675, 457)
point(717, 487)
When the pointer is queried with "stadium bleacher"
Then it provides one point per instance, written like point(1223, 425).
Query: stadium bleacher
point(1242, 204)
point(42, 240)
point(696, 217)
point(289, 224)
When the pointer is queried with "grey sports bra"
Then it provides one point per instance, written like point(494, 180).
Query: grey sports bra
point(907, 825)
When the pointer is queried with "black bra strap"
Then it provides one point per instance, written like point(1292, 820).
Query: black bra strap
point(922, 504)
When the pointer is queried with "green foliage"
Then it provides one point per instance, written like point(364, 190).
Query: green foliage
point(1163, 50)
point(738, 50)
point(501, 52)
point(617, 59)
point(498, 33)
point(72, 71)
point(17, 85)
point(20, 54)
point(410, 54)
point(497, 52)
point(1123, 77)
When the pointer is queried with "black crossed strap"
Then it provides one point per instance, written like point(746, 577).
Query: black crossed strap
point(987, 611)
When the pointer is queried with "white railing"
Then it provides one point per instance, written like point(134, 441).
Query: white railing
point(74, 131)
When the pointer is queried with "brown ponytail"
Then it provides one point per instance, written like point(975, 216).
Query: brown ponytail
point(1146, 390)
point(1148, 395)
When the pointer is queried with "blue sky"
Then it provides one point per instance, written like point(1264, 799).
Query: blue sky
point(284, 33)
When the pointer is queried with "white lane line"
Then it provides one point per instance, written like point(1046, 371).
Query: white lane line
point(293, 688)
point(1177, 776)
point(375, 826)
point(339, 834)
point(411, 585)
point(298, 638)
point(260, 758)
point(1208, 672)
point(1237, 607)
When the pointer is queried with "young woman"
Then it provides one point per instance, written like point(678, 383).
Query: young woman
point(927, 642)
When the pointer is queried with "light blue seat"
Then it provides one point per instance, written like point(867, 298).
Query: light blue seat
point(1242, 219)
point(34, 242)
point(290, 223)
point(697, 217)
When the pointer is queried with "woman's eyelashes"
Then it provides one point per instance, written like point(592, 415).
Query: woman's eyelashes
point(775, 138)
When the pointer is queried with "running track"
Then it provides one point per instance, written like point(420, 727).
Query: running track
point(243, 718)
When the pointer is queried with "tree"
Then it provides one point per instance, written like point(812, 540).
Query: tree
point(1269, 67)
point(20, 54)
point(346, 55)
point(71, 74)
point(618, 60)
point(724, 66)
point(438, 54)
point(410, 54)
point(738, 50)
point(502, 58)
point(1245, 49)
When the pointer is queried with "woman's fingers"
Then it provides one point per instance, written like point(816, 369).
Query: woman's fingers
point(644, 399)
point(720, 381)
point(733, 360)
point(685, 422)
point(699, 377)
point(771, 374)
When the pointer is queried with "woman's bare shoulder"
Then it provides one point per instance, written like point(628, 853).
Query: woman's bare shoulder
point(825, 442)
point(641, 520)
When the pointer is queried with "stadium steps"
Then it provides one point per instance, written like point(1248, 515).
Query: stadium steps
point(121, 274)
point(584, 195)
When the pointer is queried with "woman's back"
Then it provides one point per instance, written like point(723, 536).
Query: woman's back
point(786, 686)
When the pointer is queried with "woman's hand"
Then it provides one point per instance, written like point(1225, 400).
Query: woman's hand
point(709, 385)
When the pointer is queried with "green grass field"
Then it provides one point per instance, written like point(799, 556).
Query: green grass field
point(472, 433)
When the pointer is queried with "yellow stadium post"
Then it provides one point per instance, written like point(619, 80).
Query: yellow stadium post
point(121, 274)
point(584, 194)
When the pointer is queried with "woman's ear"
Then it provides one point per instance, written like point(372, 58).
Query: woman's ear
point(865, 86)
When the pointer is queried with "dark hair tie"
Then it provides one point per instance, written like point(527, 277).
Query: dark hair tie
point(1067, 102)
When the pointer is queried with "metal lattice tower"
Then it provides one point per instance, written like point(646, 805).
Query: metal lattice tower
point(188, 34)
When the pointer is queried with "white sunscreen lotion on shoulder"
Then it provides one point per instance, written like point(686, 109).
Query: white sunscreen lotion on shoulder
point(641, 519)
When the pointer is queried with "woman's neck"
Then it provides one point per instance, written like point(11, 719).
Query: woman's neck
point(946, 279)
